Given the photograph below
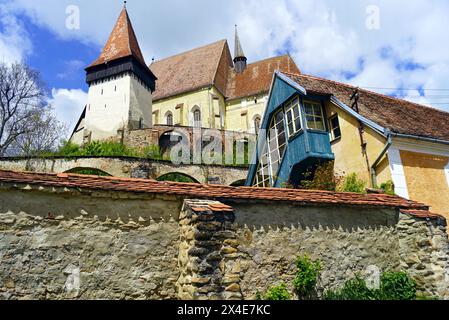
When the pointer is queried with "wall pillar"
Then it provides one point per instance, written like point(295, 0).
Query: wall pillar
point(208, 252)
point(424, 252)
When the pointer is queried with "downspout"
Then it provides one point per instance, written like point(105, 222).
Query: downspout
point(379, 158)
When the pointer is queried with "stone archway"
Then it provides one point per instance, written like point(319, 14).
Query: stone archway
point(238, 183)
point(177, 177)
point(89, 171)
point(169, 139)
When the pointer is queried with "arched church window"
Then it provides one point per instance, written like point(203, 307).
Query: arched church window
point(257, 120)
point(169, 119)
point(196, 117)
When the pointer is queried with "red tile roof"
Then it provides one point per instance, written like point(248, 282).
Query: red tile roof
point(122, 42)
point(188, 71)
point(398, 115)
point(212, 65)
point(257, 77)
point(199, 191)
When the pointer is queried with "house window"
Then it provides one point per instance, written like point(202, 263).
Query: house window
point(197, 117)
point(256, 124)
point(314, 115)
point(334, 125)
point(293, 117)
point(169, 119)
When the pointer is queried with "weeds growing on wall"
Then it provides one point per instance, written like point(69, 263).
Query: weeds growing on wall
point(352, 183)
point(278, 292)
point(393, 286)
point(388, 187)
point(106, 149)
point(116, 149)
point(307, 273)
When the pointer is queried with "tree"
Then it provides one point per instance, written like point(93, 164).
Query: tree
point(43, 137)
point(27, 125)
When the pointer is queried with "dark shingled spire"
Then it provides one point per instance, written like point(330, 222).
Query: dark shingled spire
point(240, 60)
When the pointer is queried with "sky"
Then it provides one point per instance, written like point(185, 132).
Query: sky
point(394, 47)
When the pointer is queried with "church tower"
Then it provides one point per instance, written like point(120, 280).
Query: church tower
point(240, 59)
point(120, 86)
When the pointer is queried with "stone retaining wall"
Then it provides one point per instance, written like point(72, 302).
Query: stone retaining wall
point(57, 243)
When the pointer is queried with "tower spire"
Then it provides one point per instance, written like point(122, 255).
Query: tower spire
point(122, 41)
point(240, 59)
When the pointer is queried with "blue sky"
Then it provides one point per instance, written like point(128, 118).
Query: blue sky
point(390, 45)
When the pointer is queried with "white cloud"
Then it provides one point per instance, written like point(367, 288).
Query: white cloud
point(68, 105)
point(326, 38)
point(14, 40)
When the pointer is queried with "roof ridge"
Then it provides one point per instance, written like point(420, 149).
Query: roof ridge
point(189, 51)
point(372, 92)
point(270, 58)
point(218, 65)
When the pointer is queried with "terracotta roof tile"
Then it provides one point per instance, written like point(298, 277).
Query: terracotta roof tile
point(188, 71)
point(212, 65)
point(121, 43)
point(257, 77)
point(398, 115)
point(198, 191)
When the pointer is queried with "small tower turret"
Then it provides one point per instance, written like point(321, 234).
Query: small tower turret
point(240, 60)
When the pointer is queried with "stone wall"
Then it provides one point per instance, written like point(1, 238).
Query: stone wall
point(128, 168)
point(65, 245)
point(347, 241)
point(59, 243)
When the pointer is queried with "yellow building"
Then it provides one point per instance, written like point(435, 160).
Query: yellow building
point(206, 87)
point(378, 137)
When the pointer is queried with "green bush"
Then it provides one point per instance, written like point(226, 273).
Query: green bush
point(393, 286)
point(388, 187)
point(278, 292)
point(69, 149)
point(397, 286)
point(353, 289)
point(322, 178)
point(307, 273)
point(352, 183)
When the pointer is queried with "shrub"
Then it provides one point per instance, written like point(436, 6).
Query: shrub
point(353, 289)
point(322, 178)
point(278, 292)
point(68, 149)
point(397, 286)
point(306, 276)
point(388, 187)
point(352, 183)
point(393, 286)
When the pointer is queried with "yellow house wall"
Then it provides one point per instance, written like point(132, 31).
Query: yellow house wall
point(426, 179)
point(240, 114)
point(348, 152)
point(201, 98)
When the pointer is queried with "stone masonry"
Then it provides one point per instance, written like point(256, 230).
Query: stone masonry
point(61, 242)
